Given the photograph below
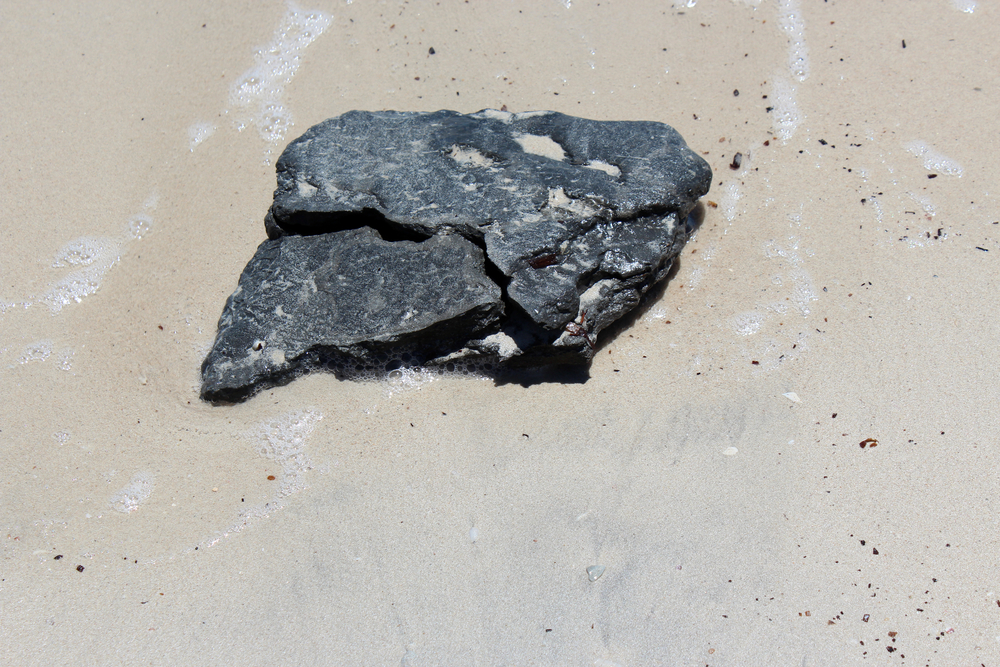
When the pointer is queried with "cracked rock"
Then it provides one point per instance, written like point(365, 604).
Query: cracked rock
point(516, 236)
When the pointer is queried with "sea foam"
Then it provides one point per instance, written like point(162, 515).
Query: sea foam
point(259, 93)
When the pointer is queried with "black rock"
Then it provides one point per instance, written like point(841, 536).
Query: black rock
point(303, 300)
point(577, 219)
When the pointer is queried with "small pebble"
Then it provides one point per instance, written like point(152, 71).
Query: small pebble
point(473, 534)
point(793, 397)
point(215, 489)
point(595, 572)
point(731, 451)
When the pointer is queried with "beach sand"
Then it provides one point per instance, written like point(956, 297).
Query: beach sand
point(788, 457)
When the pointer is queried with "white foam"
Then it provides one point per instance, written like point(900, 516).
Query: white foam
point(790, 20)
point(925, 203)
point(92, 257)
point(786, 110)
point(967, 6)
point(128, 498)
point(259, 92)
point(38, 351)
point(747, 324)
point(65, 359)
point(95, 257)
point(198, 132)
point(283, 441)
point(729, 200)
point(138, 225)
point(934, 160)
point(409, 379)
point(79, 252)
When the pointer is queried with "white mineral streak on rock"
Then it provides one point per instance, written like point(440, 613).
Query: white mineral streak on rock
point(540, 145)
point(494, 114)
point(128, 498)
point(469, 157)
point(259, 92)
point(579, 207)
point(604, 166)
point(934, 160)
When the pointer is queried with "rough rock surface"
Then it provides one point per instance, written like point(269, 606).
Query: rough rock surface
point(577, 219)
point(304, 298)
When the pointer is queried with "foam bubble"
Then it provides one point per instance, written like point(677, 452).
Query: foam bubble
point(790, 20)
point(259, 91)
point(80, 252)
point(38, 351)
point(138, 225)
point(409, 379)
point(95, 256)
point(128, 498)
point(283, 441)
point(933, 160)
point(747, 324)
point(786, 110)
point(92, 257)
point(925, 203)
point(198, 132)
point(65, 359)
point(729, 199)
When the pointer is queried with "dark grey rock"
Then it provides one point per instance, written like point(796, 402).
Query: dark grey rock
point(577, 218)
point(305, 299)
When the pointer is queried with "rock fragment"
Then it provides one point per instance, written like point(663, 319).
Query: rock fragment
point(565, 222)
point(304, 300)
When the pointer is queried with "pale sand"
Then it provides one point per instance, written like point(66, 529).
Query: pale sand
point(737, 526)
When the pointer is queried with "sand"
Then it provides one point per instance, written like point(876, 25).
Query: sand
point(841, 289)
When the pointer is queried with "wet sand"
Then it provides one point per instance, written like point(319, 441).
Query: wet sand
point(840, 292)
